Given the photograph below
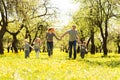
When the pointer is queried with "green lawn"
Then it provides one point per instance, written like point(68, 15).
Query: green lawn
point(58, 67)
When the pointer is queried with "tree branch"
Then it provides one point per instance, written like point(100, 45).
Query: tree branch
point(1, 22)
point(5, 8)
point(15, 33)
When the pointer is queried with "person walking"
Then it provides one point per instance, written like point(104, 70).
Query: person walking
point(83, 49)
point(73, 38)
point(49, 36)
point(27, 48)
point(37, 44)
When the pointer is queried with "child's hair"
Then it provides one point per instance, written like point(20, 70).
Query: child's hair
point(84, 42)
point(37, 39)
point(26, 40)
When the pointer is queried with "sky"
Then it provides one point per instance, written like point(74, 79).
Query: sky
point(66, 9)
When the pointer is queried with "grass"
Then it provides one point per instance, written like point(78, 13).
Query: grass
point(58, 67)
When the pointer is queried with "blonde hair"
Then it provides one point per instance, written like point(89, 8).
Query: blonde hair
point(26, 40)
point(37, 40)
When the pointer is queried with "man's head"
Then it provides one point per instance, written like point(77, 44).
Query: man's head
point(73, 27)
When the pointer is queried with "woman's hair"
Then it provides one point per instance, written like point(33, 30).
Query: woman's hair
point(51, 29)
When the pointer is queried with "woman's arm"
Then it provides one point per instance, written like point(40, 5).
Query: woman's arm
point(56, 37)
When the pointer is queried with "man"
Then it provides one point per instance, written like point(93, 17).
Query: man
point(73, 36)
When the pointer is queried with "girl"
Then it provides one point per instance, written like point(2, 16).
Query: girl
point(37, 44)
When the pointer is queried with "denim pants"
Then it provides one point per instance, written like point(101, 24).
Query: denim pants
point(82, 53)
point(72, 43)
point(50, 48)
point(27, 52)
point(37, 50)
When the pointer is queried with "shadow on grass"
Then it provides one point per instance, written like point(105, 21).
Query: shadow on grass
point(112, 63)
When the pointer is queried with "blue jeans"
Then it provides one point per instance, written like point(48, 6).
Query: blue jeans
point(72, 43)
point(50, 48)
point(82, 53)
point(27, 52)
point(37, 50)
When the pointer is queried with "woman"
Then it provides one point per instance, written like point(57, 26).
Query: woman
point(49, 36)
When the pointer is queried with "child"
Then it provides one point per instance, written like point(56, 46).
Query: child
point(37, 44)
point(27, 48)
point(83, 49)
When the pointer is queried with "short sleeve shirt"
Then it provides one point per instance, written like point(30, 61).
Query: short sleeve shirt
point(36, 45)
point(49, 36)
point(26, 46)
point(72, 35)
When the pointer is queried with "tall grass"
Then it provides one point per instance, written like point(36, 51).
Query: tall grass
point(59, 67)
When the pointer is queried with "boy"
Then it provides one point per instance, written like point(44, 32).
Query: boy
point(27, 48)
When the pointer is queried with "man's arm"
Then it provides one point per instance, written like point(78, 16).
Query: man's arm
point(78, 38)
point(64, 34)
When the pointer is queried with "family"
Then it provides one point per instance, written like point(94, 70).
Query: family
point(73, 39)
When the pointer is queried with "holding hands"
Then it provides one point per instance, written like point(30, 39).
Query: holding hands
point(61, 37)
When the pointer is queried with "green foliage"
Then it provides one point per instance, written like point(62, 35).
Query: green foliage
point(33, 15)
point(99, 16)
point(58, 67)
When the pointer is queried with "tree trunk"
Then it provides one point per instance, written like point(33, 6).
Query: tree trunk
point(2, 32)
point(119, 50)
point(105, 51)
point(118, 43)
point(104, 46)
point(104, 35)
point(1, 47)
point(14, 44)
point(118, 47)
point(78, 49)
point(92, 43)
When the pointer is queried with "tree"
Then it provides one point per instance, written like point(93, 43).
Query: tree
point(15, 40)
point(118, 43)
point(103, 11)
point(3, 22)
point(22, 12)
point(86, 26)
point(115, 33)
